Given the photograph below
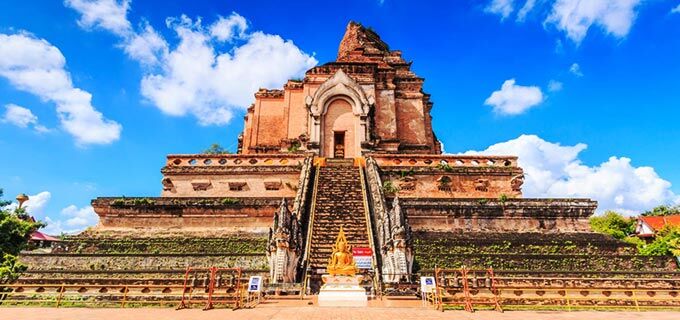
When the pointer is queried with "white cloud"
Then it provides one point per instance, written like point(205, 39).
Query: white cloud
point(110, 15)
point(575, 17)
point(199, 76)
point(35, 205)
point(554, 86)
point(676, 9)
point(73, 220)
point(502, 8)
point(34, 65)
point(197, 80)
point(555, 171)
point(22, 118)
point(575, 69)
point(146, 47)
point(79, 217)
point(225, 29)
point(528, 6)
point(514, 99)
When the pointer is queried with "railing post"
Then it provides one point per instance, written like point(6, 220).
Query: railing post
point(211, 286)
point(566, 295)
point(125, 291)
point(61, 294)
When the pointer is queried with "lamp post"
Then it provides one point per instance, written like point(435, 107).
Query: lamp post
point(22, 198)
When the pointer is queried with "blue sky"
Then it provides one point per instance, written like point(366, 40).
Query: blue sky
point(540, 79)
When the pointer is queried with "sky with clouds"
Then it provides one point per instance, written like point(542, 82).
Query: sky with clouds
point(95, 93)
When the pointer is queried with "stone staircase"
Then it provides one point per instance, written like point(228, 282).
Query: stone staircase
point(339, 202)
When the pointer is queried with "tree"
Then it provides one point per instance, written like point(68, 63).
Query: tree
point(16, 227)
point(613, 224)
point(215, 149)
point(663, 210)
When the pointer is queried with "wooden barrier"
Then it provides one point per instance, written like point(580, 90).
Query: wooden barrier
point(456, 288)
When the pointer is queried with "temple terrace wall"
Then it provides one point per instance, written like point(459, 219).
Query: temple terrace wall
point(450, 176)
point(228, 215)
point(227, 175)
point(499, 215)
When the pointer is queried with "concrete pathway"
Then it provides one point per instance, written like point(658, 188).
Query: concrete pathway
point(313, 313)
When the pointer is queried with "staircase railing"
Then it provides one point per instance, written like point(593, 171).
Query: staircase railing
point(377, 204)
point(301, 197)
point(310, 228)
point(369, 229)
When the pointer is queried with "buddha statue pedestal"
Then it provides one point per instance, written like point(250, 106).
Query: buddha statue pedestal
point(342, 291)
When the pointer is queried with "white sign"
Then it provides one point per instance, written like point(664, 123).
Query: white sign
point(255, 284)
point(363, 256)
point(427, 284)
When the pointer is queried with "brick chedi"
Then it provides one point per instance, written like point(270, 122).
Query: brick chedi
point(352, 145)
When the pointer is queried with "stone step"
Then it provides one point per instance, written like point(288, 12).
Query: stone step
point(339, 202)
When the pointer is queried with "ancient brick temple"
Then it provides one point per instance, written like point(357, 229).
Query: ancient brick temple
point(351, 144)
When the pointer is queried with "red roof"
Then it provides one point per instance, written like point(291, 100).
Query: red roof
point(658, 222)
point(39, 236)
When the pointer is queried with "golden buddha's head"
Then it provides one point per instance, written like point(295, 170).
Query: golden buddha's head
point(342, 247)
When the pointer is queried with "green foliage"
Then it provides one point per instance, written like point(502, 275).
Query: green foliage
point(404, 173)
point(503, 198)
point(613, 224)
point(143, 202)
point(228, 201)
point(295, 146)
point(216, 149)
point(663, 210)
point(226, 245)
point(666, 242)
point(389, 187)
point(444, 166)
point(16, 228)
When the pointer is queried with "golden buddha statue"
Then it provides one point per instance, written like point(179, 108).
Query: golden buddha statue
point(341, 261)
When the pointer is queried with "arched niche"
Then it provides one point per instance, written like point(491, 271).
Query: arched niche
point(339, 91)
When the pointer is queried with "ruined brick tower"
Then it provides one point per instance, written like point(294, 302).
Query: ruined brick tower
point(367, 101)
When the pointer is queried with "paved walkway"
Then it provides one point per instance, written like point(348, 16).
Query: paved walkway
point(313, 313)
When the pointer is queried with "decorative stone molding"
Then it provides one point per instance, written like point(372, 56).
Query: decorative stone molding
point(269, 93)
point(233, 160)
point(273, 184)
point(238, 186)
point(516, 183)
point(482, 185)
point(444, 161)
